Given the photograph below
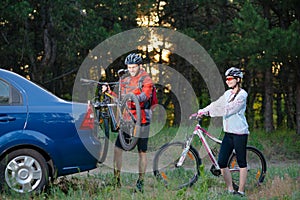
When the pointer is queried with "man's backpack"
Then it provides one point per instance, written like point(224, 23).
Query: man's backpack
point(153, 101)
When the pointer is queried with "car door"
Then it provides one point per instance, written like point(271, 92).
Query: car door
point(13, 109)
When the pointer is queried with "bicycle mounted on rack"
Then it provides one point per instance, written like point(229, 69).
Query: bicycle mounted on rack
point(116, 110)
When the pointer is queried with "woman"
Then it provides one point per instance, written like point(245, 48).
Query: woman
point(232, 106)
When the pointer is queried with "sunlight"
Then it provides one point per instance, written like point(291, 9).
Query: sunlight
point(157, 43)
point(147, 20)
point(154, 71)
point(103, 74)
point(276, 67)
point(152, 19)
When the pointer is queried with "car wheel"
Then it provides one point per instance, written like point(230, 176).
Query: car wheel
point(24, 171)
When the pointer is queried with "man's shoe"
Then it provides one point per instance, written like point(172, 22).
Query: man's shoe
point(140, 186)
point(115, 182)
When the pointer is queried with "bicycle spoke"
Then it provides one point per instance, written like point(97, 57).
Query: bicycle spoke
point(166, 169)
point(130, 114)
point(256, 167)
point(103, 136)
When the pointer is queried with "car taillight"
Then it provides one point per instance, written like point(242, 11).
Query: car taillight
point(88, 121)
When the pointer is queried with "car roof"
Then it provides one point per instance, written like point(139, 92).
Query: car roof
point(34, 92)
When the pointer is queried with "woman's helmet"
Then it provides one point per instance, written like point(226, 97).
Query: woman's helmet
point(235, 72)
point(133, 58)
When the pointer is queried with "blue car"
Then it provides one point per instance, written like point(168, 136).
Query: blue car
point(42, 136)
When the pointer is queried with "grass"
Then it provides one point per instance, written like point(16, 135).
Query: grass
point(281, 183)
point(281, 149)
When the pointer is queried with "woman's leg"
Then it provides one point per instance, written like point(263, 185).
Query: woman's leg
point(225, 152)
point(243, 179)
point(240, 144)
point(227, 178)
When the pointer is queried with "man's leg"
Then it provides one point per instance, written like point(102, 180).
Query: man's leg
point(142, 164)
point(142, 171)
point(117, 165)
point(142, 149)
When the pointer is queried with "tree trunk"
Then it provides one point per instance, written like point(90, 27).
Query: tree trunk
point(298, 103)
point(177, 112)
point(31, 54)
point(49, 57)
point(175, 101)
point(279, 109)
point(268, 111)
point(290, 108)
point(251, 87)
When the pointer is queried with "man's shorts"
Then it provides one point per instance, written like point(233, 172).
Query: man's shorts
point(142, 143)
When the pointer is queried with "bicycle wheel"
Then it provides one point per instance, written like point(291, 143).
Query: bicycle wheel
point(256, 165)
point(130, 121)
point(172, 176)
point(103, 135)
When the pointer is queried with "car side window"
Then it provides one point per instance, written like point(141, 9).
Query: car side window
point(4, 92)
point(9, 95)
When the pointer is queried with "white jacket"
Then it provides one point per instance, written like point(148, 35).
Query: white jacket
point(233, 112)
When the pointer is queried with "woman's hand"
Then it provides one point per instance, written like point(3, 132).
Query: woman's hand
point(201, 113)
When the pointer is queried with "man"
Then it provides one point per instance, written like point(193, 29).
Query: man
point(136, 73)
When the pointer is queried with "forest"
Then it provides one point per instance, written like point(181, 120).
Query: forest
point(47, 41)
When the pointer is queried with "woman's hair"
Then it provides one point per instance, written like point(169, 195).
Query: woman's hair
point(235, 95)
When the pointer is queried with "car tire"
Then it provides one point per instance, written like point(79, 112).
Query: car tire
point(24, 171)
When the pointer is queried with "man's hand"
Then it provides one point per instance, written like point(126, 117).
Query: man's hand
point(106, 88)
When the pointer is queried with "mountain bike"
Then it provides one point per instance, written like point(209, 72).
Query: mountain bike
point(117, 111)
point(177, 164)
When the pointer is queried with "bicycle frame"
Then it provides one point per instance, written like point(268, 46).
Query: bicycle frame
point(115, 99)
point(200, 132)
point(118, 100)
point(111, 112)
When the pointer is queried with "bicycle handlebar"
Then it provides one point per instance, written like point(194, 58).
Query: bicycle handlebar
point(99, 104)
point(89, 81)
point(195, 116)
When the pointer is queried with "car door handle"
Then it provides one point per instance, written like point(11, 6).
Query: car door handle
point(7, 119)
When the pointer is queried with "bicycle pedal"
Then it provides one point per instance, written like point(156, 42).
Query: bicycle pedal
point(214, 171)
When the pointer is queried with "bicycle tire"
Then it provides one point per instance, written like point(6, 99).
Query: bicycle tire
point(103, 136)
point(172, 176)
point(256, 164)
point(130, 124)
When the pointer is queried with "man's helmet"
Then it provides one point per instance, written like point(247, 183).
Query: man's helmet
point(235, 72)
point(133, 58)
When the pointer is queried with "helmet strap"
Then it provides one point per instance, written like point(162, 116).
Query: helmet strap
point(238, 80)
point(236, 85)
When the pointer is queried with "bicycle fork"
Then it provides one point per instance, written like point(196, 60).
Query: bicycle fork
point(185, 150)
